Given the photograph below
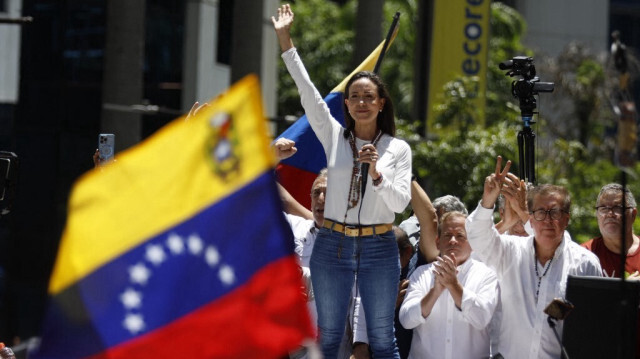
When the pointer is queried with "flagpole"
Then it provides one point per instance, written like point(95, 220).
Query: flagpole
point(392, 29)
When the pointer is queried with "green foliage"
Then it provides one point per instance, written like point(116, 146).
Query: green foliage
point(397, 67)
point(579, 102)
point(458, 110)
point(457, 164)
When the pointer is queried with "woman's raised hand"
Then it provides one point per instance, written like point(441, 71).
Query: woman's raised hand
point(281, 24)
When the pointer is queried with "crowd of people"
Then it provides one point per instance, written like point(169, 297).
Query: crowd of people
point(444, 283)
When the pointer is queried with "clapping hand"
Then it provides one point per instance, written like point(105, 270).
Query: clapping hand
point(446, 270)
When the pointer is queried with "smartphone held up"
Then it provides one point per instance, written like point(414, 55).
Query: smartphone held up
point(106, 146)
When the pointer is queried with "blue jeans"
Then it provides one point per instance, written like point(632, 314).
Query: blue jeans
point(376, 261)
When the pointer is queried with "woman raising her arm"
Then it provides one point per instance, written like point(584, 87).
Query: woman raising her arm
point(356, 235)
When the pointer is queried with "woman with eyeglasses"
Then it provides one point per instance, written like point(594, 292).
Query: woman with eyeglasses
point(533, 270)
point(359, 211)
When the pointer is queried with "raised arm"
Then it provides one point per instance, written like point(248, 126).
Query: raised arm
point(282, 24)
point(428, 220)
point(481, 232)
point(291, 206)
point(318, 114)
point(493, 184)
point(284, 148)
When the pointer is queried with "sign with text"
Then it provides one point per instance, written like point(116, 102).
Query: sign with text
point(458, 50)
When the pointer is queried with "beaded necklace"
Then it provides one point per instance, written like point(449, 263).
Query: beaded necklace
point(356, 176)
point(546, 269)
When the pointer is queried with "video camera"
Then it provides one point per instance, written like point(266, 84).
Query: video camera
point(529, 85)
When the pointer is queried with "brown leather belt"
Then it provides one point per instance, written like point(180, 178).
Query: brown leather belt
point(357, 231)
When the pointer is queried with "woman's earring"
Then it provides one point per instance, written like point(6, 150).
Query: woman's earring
point(380, 110)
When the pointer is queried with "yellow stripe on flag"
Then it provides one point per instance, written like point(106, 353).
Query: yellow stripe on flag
point(163, 181)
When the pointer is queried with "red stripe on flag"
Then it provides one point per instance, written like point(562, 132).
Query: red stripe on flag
point(265, 318)
point(298, 182)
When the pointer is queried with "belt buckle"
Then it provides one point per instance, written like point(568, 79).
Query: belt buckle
point(350, 230)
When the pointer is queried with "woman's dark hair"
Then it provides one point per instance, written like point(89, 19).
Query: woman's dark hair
point(386, 121)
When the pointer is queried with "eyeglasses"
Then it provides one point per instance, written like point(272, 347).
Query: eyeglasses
point(541, 214)
point(369, 99)
point(604, 210)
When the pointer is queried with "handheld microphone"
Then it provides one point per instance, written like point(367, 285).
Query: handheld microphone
point(364, 170)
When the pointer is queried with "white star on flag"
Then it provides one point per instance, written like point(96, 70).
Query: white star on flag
point(175, 243)
point(212, 256)
point(226, 275)
point(155, 254)
point(195, 244)
point(131, 298)
point(133, 323)
point(139, 274)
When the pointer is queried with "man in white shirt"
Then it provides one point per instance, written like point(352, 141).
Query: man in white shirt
point(532, 270)
point(450, 302)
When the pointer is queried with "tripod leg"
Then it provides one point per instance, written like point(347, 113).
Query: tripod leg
point(521, 154)
point(531, 163)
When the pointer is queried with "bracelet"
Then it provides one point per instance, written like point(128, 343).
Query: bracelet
point(377, 181)
point(413, 178)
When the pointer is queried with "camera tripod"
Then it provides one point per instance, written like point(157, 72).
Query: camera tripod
point(526, 136)
point(526, 151)
point(524, 90)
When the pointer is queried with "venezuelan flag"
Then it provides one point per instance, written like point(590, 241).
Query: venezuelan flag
point(180, 249)
point(297, 173)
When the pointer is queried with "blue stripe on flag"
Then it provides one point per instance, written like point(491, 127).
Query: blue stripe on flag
point(196, 262)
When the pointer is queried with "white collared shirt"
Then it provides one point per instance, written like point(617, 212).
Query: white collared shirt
point(448, 332)
point(304, 236)
point(523, 330)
